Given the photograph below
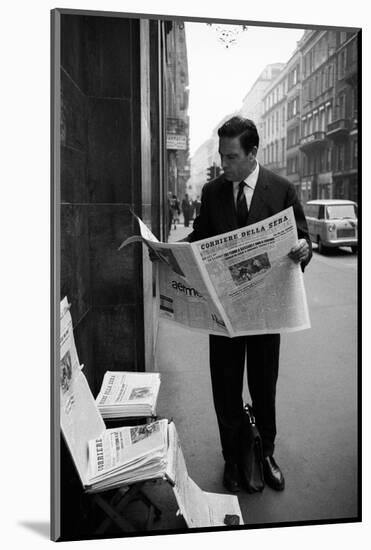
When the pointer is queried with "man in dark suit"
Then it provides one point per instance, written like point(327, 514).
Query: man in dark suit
point(245, 194)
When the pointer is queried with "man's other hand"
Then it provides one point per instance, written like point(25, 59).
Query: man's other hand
point(300, 252)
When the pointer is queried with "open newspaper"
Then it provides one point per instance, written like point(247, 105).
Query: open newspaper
point(128, 394)
point(111, 458)
point(238, 283)
point(199, 508)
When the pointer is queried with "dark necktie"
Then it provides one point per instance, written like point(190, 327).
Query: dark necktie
point(241, 206)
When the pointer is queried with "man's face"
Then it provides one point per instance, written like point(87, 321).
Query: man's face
point(235, 163)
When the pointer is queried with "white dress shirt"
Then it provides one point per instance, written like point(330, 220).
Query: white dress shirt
point(249, 187)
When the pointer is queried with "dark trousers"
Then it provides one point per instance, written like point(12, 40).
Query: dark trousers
point(227, 363)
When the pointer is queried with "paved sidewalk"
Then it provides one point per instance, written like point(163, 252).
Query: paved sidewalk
point(180, 232)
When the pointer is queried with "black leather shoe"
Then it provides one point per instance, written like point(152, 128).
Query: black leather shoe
point(273, 476)
point(231, 478)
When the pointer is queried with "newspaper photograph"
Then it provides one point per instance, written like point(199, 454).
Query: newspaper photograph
point(238, 283)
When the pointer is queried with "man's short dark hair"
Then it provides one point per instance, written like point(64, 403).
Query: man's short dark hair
point(244, 128)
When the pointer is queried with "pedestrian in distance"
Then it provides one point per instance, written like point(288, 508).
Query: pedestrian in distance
point(186, 209)
point(246, 193)
point(197, 205)
point(169, 212)
point(175, 210)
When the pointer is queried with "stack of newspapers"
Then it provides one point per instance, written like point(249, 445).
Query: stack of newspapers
point(128, 394)
point(128, 455)
point(112, 458)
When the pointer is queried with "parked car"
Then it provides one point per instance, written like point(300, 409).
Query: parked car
point(332, 223)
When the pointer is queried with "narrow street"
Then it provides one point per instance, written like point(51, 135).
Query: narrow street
point(316, 444)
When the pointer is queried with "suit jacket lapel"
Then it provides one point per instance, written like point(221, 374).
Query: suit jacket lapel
point(258, 203)
point(227, 206)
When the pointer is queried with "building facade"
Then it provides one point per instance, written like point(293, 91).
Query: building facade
point(252, 104)
point(317, 113)
point(329, 136)
point(273, 136)
point(309, 118)
point(176, 107)
point(293, 71)
point(343, 130)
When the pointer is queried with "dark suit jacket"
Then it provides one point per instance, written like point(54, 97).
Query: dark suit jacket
point(272, 194)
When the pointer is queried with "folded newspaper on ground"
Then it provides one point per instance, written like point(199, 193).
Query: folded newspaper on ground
point(128, 394)
point(238, 283)
point(199, 508)
point(111, 458)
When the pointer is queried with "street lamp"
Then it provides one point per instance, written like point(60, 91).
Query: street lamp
point(227, 34)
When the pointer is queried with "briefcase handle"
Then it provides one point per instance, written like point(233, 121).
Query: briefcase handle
point(249, 413)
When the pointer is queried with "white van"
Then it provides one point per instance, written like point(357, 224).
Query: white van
point(332, 223)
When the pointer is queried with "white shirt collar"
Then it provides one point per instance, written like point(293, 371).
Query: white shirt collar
point(251, 179)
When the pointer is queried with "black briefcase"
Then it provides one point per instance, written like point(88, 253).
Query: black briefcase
point(251, 453)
